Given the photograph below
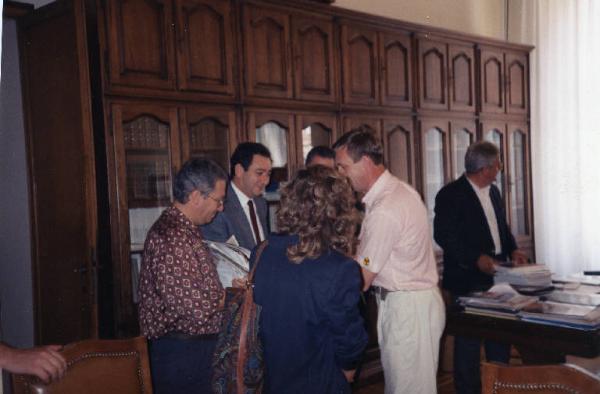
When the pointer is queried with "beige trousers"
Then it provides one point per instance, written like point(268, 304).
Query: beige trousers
point(409, 326)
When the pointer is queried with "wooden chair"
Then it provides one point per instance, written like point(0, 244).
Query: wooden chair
point(97, 367)
point(547, 379)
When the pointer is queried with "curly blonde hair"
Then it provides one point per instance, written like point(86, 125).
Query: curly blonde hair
point(318, 206)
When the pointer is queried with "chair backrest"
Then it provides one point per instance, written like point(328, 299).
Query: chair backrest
point(547, 379)
point(97, 367)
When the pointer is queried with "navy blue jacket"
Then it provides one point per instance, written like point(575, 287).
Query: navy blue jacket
point(460, 228)
point(310, 324)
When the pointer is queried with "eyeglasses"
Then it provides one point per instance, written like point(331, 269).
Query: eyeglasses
point(218, 201)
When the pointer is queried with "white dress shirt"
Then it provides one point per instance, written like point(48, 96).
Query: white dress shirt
point(488, 208)
point(244, 202)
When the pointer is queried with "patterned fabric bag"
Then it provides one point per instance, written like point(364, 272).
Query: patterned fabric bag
point(238, 360)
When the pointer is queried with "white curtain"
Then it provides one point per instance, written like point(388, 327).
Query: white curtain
point(565, 93)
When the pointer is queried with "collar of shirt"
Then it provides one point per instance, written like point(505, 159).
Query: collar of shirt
point(177, 215)
point(484, 191)
point(373, 193)
point(240, 195)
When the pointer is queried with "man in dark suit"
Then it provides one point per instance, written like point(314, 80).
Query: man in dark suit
point(244, 216)
point(470, 226)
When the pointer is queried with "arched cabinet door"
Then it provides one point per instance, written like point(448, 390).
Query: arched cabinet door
point(492, 80)
point(140, 41)
point(399, 142)
point(208, 132)
point(267, 52)
point(461, 77)
point(517, 83)
point(462, 134)
point(495, 132)
point(313, 51)
point(313, 130)
point(360, 66)
point(205, 46)
point(435, 160)
point(275, 130)
point(395, 52)
point(519, 187)
point(146, 148)
point(353, 121)
point(433, 74)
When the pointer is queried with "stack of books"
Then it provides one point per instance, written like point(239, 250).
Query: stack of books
point(534, 275)
point(499, 301)
point(583, 317)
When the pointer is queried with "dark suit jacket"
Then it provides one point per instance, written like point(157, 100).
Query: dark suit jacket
point(233, 221)
point(310, 324)
point(461, 229)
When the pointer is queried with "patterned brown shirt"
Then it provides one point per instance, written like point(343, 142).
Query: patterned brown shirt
point(179, 289)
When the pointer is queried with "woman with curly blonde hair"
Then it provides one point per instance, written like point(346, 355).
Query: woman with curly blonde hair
point(309, 287)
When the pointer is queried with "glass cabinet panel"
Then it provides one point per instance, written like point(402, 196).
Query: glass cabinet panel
point(148, 162)
point(497, 138)
point(274, 137)
point(461, 139)
point(314, 135)
point(209, 139)
point(518, 194)
point(399, 153)
point(434, 164)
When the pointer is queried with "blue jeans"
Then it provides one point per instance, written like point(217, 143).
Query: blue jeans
point(182, 365)
point(467, 378)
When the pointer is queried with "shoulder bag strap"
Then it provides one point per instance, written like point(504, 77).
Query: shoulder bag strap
point(246, 314)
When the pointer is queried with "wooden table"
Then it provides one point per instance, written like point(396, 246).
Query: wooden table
point(537, 343)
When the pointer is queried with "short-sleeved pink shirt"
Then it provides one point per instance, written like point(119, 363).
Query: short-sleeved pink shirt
point(395, 238)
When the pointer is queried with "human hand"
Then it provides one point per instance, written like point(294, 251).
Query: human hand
point(240, 283)
point(45, 362)
point(519, 258)
point(486, 264)
point(349, 375)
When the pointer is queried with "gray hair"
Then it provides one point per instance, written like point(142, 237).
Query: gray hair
point(197, 174)
point(479, 155)
point(361, 142)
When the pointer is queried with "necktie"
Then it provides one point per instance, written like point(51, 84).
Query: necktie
point(254, 222)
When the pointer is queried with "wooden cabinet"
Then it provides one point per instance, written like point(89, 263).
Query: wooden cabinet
point(376, 66)
point(179, 79)
point(288, 55)
point(446, 75)
point(504, 81)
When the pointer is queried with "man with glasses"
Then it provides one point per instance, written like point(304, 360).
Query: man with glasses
point(470, 226)
point(180, 292)
point(243, 220)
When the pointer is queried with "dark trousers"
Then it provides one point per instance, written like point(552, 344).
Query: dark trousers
point(182, 365)
point(467, 379)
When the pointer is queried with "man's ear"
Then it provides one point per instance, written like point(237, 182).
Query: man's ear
point(195, 197)
point(239, 170)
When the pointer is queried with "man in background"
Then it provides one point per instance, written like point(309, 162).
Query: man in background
point(396, 257)
point(322, 155)
point(244, 218)
point(470, 226)
point(180, 292)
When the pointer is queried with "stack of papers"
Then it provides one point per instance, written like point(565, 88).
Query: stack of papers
point(582, 317)
point(232, 261)
point(500, 301)
point(582, 294)
point(526, 275)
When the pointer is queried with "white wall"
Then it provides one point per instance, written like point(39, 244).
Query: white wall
point(480, 17)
